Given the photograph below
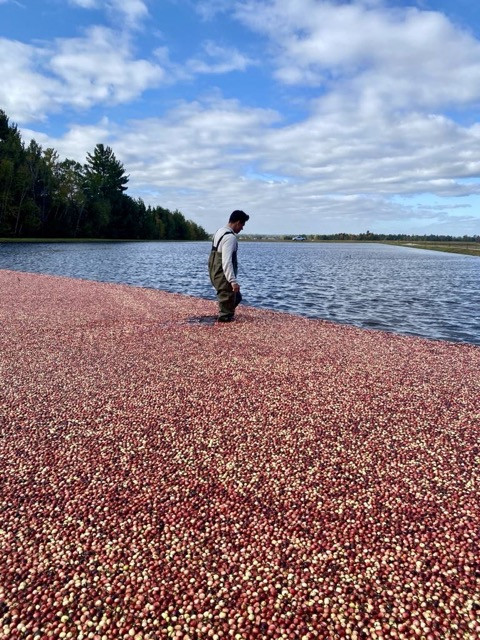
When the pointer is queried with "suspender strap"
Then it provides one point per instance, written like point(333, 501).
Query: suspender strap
point(215, 248)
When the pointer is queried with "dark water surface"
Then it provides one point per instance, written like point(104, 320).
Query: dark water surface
point(409, 291)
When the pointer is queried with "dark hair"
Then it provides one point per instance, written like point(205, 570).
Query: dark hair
point(238, 215)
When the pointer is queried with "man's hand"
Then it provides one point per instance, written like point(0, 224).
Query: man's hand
point(236, 287)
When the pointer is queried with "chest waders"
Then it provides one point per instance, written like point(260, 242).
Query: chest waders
point(227, 298)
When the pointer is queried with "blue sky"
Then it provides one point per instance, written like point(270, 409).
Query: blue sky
point(311, 116)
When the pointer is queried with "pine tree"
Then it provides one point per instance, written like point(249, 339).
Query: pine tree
point(104, 184)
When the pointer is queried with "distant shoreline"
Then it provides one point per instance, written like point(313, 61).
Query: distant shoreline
point(454, 246)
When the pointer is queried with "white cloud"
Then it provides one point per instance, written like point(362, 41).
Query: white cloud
point(208, 9)
point(380, 58)
point(24, 94)
point(130, 11)
point(219, 60)
point(410, 154)
point(207, 158)
point(85, 4)
point(98, 68)
point(77, 141)
point(133, 11)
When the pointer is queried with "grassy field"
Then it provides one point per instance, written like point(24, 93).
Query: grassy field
point(468, 248)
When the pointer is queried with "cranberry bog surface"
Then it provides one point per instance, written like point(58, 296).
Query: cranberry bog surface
point(277, 477)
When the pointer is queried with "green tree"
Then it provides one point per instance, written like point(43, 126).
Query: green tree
point(104, 183)
point(28, 184)
point(104, 174)
point(68, 200)
point(12, 174)
point(40, 195)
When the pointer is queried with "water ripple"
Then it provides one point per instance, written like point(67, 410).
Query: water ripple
point(409, 291)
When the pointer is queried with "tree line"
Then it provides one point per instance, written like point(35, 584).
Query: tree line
point(368, 236)
point(363, 237)
point(43, 196)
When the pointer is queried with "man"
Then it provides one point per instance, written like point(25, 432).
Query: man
point(222, 265)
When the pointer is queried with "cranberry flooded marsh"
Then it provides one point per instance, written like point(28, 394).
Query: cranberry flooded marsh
point(400, 289)
point(277, 477)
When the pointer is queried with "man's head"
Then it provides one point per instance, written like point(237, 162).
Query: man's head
point(237, 220)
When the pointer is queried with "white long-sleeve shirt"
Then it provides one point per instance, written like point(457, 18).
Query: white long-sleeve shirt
point(228, 246)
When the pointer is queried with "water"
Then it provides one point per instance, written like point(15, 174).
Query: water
point(409, 291)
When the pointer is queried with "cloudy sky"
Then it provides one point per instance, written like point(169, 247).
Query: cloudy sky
point(312, 116)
